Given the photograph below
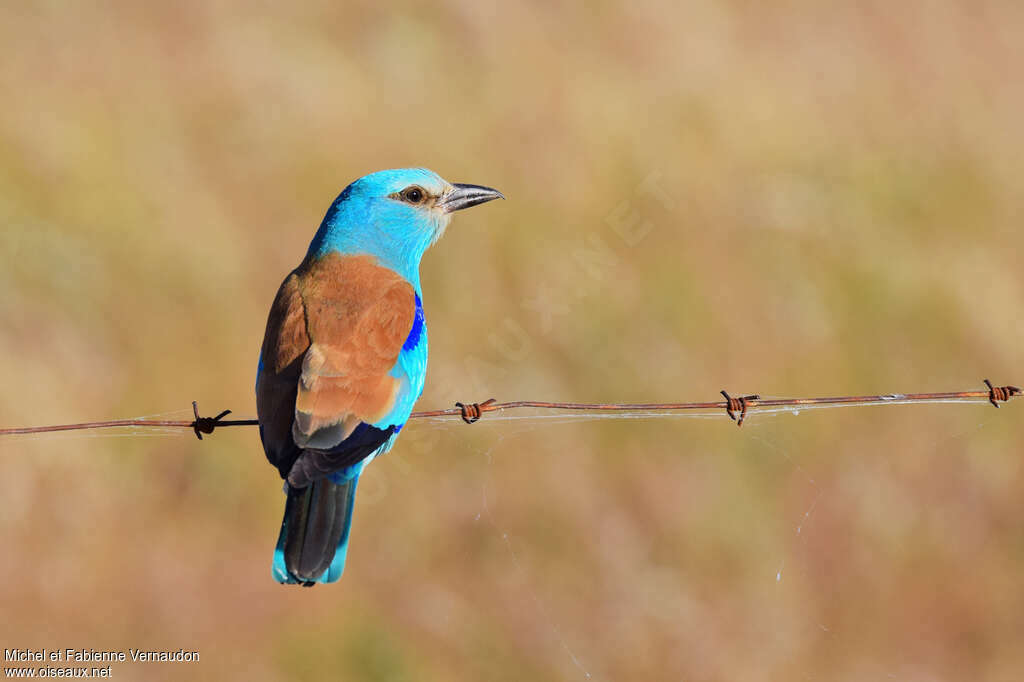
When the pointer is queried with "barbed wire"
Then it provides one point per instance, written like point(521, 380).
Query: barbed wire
point(471, 412)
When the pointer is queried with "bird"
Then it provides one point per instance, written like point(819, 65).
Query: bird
point(344, 356)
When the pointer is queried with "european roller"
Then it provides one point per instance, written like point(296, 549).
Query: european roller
point(344, 356)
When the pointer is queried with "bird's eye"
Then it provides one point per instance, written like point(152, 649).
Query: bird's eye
point(414, 194)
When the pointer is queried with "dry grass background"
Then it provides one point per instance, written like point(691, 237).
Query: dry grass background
point(820, 198)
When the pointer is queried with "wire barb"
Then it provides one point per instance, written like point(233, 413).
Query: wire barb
point(205, 424)
point(471, 412)
point(997, 394)
point(733, 405)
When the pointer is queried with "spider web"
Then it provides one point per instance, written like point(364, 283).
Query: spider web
point(765, 432)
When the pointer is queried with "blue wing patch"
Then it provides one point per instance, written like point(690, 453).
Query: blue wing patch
point(416, 332)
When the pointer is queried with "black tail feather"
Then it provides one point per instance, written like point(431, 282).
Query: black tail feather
point(315, 519)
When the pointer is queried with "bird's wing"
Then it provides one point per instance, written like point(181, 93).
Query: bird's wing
point(284, 344)
point(333, 338)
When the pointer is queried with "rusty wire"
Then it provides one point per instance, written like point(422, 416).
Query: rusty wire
point(471, 412)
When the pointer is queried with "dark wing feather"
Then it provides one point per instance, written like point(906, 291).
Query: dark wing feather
point(284, 345)
point(314, 464)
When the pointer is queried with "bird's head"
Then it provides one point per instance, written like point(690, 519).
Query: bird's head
point(395, 215)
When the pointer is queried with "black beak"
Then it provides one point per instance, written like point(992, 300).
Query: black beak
point(464, 196)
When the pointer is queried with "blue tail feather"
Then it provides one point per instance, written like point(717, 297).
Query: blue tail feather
point(313, 541)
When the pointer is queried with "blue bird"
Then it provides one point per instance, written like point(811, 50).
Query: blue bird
point(344, 356)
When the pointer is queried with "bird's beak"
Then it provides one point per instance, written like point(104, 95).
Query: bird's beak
point(463, 196)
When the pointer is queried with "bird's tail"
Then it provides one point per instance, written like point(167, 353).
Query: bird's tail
point(314, 534)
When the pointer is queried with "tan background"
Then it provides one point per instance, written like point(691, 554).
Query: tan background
point(790, 199)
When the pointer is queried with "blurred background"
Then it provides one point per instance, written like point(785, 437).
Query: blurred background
point(792, 198)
